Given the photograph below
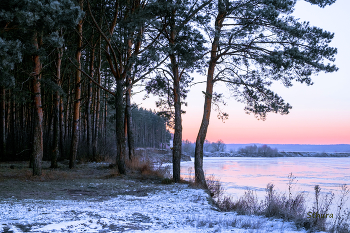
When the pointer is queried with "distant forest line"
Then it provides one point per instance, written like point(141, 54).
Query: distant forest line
point(220, 149)
point(333, 148)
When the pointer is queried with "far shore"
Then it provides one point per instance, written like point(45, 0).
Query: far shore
point(278, 154)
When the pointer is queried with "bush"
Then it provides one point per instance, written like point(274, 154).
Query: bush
point(188, 147)
point(264, 151)
point(207, 146)
point(218, 146)
point(212, 147)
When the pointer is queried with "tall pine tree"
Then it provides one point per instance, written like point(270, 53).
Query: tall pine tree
point(256, 42)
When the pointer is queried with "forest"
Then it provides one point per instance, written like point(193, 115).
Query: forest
point(68, 70)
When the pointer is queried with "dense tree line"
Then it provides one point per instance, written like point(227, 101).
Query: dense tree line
point(62, 60)
point(56, 84)
point(150, 129)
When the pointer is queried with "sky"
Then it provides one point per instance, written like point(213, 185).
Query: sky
point(320, 113)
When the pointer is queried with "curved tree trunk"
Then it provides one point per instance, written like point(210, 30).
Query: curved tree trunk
point(37, 152)
point(198, 157)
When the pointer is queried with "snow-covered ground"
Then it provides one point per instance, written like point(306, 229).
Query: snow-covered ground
point(176, 208)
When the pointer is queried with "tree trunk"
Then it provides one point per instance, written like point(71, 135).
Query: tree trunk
point(128, 114)
point(32, 132)
point(3, 122)
point(75, 136)
point(88, 104)
point(49, 110)
point(37, 152)
point(198, 157)
point(66, 117)
point(62, 126)
point(97, 111)
point(56, 121)
point(120, 126)
point(105, 118)
point(88, 107)
point(177, 143)
point(12, 134)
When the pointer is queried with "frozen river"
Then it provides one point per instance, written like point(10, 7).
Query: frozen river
point(240, 173)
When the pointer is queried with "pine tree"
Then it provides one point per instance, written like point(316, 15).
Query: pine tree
point(122, 51)
point(253, 44)
point(33, 23)
point(184, 46)
point(76, 116)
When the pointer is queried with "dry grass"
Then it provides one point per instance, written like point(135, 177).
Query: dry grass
point(341, 223)
point(290, 207)
point(214, 187)
point(147, 167)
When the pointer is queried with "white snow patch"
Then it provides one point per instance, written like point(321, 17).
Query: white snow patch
point(178, 209)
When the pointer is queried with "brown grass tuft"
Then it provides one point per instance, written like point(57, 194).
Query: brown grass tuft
point(146, 167)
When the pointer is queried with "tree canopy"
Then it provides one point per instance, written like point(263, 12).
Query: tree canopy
point(67, 66)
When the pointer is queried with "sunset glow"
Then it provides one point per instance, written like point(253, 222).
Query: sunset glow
point(320, 113)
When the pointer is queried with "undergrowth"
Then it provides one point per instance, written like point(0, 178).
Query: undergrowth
point(289, 206)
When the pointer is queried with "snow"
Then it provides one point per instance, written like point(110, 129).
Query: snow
point(177, 208)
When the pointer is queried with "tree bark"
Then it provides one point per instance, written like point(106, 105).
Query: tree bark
point(3, 122)
point(88, 107)
point(12, 134)
point(177, 142)
point(37, 152)
point(66, 117)
point(62, 126)
point(198, 158)
point(119, 107)
point(105, 118)
point(75, 136)
point(56, 121)
point(97, 110)
point(128, 114)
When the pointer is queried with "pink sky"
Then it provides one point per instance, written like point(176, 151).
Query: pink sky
point(320, 114)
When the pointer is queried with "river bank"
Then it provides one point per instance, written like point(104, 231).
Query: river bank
point(100, 201)
point(278, 154)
